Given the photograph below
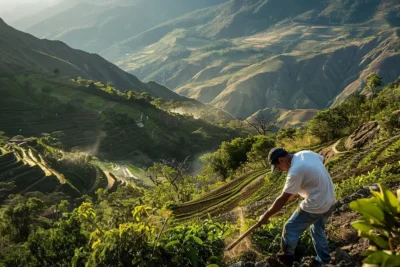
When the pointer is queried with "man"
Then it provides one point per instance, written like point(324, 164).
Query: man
point(308, 177)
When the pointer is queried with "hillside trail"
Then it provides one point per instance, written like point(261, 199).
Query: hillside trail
point(334, 149)
point(128, 172)
point(110, 180)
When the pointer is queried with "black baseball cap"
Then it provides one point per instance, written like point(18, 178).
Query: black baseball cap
point(274, 155)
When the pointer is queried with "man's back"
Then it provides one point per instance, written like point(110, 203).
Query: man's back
point(309, 178)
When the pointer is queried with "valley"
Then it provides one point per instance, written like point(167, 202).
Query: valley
point(140, 132)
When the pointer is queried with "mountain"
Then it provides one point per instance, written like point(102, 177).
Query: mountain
point(33, 18)
point(32, 53)
point(244, 56)
point(95, 25)
point(18, 9)
point(241, 56)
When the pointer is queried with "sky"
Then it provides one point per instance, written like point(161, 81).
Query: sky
point(11, 10)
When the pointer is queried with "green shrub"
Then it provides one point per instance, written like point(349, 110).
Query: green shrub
point(380, 223)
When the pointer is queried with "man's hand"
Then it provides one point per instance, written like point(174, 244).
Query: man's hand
point(264, 218)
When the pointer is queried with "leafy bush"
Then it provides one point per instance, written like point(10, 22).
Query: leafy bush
point(380, 223)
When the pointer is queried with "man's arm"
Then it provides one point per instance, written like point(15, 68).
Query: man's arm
point(276, 206)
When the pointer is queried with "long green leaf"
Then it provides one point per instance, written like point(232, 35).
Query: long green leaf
point(378, 240)
point(391, 261)
point(362, 226)
point(389, 198)
point(376, 258)
point(173, 242)
point(367, 208)
point(197, 240)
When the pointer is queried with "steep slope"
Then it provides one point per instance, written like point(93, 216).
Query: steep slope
point(32, 53)
point(86, 116)
point(96, 25)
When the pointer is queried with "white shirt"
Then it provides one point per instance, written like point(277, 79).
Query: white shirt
point(309, 178)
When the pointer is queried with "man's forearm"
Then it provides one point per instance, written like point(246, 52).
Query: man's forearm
point(277, 205)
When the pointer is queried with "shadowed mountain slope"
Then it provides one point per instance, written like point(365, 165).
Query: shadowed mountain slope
point(23, 49)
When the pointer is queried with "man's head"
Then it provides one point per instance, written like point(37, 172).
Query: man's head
point(279, 158)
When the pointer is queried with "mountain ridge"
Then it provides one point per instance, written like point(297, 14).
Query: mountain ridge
point(24, 49)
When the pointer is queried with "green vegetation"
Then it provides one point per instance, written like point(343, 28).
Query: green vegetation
point(92, 234)
point(380, 223)
point(178, 219)
point(101, 120)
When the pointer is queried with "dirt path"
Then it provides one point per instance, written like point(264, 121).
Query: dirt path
point(334, 149)
point(96, 181)
point(110, 180)
point(128, 172)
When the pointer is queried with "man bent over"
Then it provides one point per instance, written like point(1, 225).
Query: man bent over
point(308, 177)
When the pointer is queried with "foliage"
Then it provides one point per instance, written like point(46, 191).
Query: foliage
point(197, 241)
point(260, 149)
point(329, 124)
point(380, 223)
point(18, 217)
point(385, 174)
point(233, 155)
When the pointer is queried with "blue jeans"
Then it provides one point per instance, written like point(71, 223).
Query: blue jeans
point(298, 223)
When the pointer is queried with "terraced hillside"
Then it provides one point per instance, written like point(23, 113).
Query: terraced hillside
point(31, 166)
point(99, 119)
point(223, 199)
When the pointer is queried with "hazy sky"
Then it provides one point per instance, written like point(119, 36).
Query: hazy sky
point(8, 5)
point(14, 9)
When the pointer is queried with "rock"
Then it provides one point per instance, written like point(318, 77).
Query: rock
point(238, 264)
point(363, 192)
point(364, 134)
point(262, 264)
point(249, 264)
point(374, 187)
point(327, 153)
point(341, 255)
point(347, 247)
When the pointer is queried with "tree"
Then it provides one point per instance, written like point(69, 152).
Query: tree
point(19, 216)
point(373, 81)
point(329, 124)
point(262, 124)
point(230, 157)
point(56, 71)
point(260, 149)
